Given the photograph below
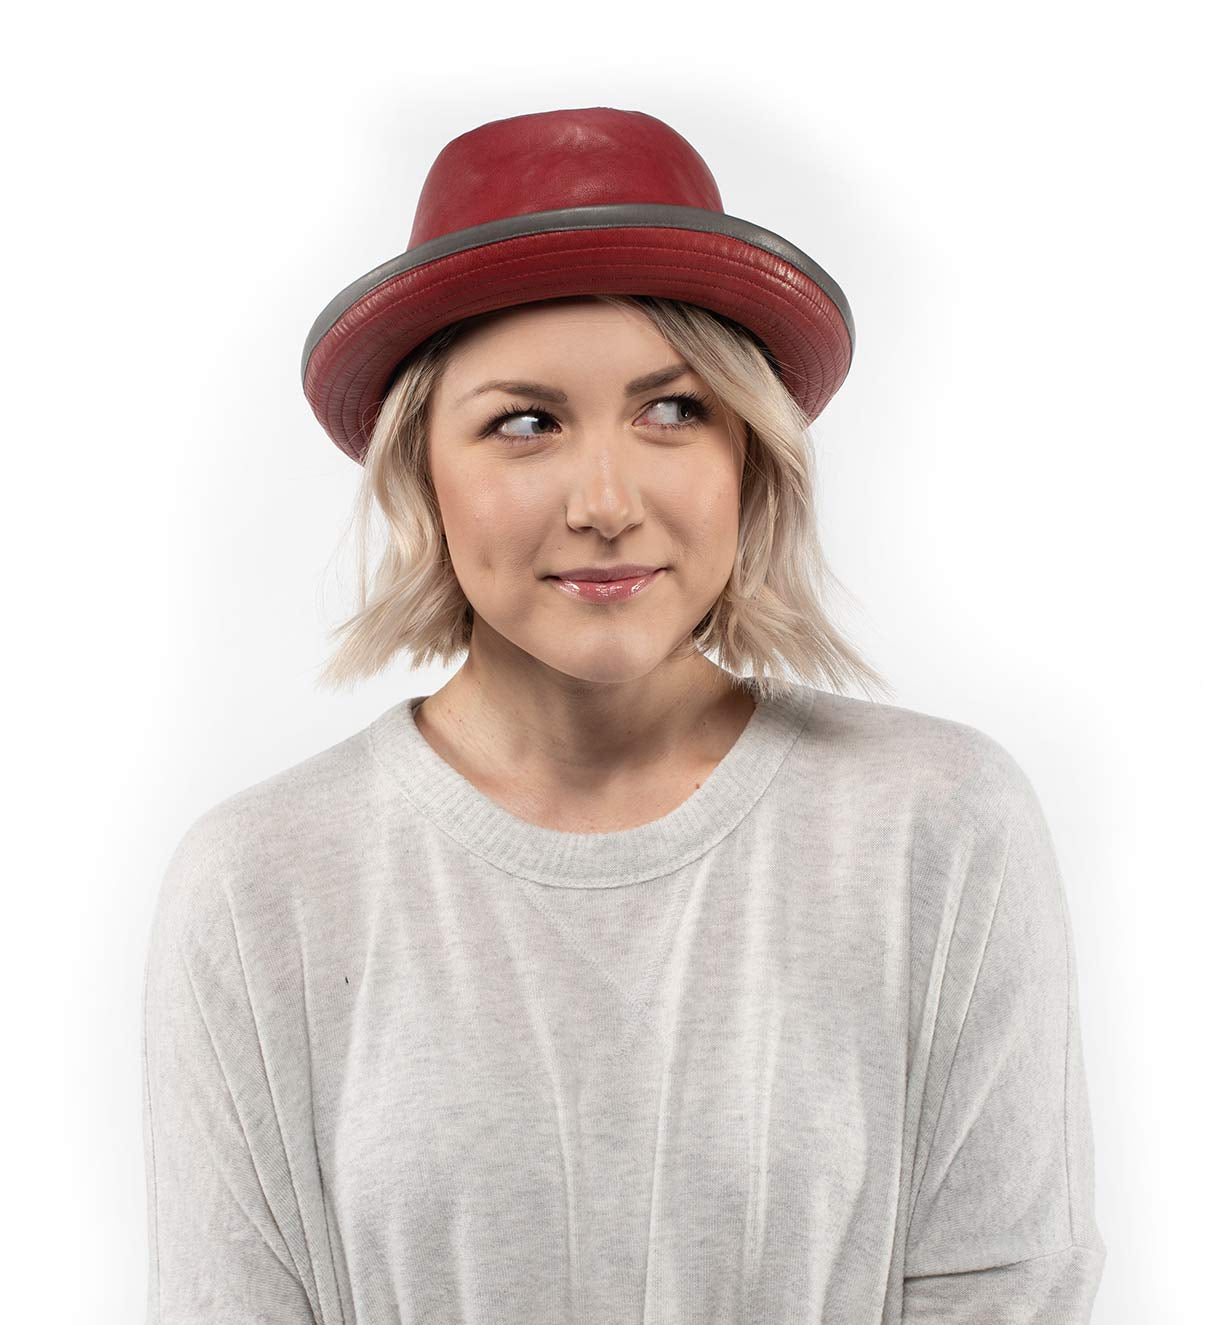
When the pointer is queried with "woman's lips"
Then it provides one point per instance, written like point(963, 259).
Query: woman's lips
point(607, 591)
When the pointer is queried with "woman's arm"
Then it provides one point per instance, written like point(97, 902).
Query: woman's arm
point(1002, 1224)
point(225, 1243)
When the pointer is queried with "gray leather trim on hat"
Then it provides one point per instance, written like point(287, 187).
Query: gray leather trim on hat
point(604, 216)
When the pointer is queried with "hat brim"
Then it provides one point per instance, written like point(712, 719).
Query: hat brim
point(707, 258)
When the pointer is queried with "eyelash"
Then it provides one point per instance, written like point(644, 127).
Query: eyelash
point(701, 405)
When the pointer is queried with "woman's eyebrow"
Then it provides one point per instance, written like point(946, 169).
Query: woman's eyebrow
point(648, 382)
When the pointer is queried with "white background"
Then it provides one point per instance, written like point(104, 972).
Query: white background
point(1019, 483)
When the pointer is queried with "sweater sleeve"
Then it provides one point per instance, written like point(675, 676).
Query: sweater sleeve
point(220, 1206)
point(1002, 1224)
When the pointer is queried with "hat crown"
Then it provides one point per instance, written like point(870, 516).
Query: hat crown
point(559, 158)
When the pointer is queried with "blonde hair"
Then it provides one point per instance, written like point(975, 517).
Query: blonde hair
point(769, 616)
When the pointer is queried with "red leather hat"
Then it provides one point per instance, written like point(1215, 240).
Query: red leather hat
point(570, 202)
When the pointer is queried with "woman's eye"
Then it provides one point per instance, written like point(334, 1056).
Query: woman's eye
point(531, 418)
point(498, 426)
point(688, 411)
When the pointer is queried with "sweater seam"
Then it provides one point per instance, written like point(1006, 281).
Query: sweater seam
point(229, 1090)
point(276, 1113)
point(1006, 1265)
point(952, 1068)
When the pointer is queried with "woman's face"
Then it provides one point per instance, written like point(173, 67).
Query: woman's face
point(591, 465)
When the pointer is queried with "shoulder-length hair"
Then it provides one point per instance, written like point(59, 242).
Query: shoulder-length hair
point(770, 615)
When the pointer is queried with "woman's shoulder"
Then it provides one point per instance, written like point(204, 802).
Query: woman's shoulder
point(913, 757)
point(271, 829)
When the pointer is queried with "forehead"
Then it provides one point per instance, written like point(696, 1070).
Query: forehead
point(578, 330)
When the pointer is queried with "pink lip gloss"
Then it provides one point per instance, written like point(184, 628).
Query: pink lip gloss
point(607, 591)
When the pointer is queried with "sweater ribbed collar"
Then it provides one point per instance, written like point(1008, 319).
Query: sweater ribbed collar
point(546, 855)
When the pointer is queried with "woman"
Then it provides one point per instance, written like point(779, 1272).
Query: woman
point(608, 983)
